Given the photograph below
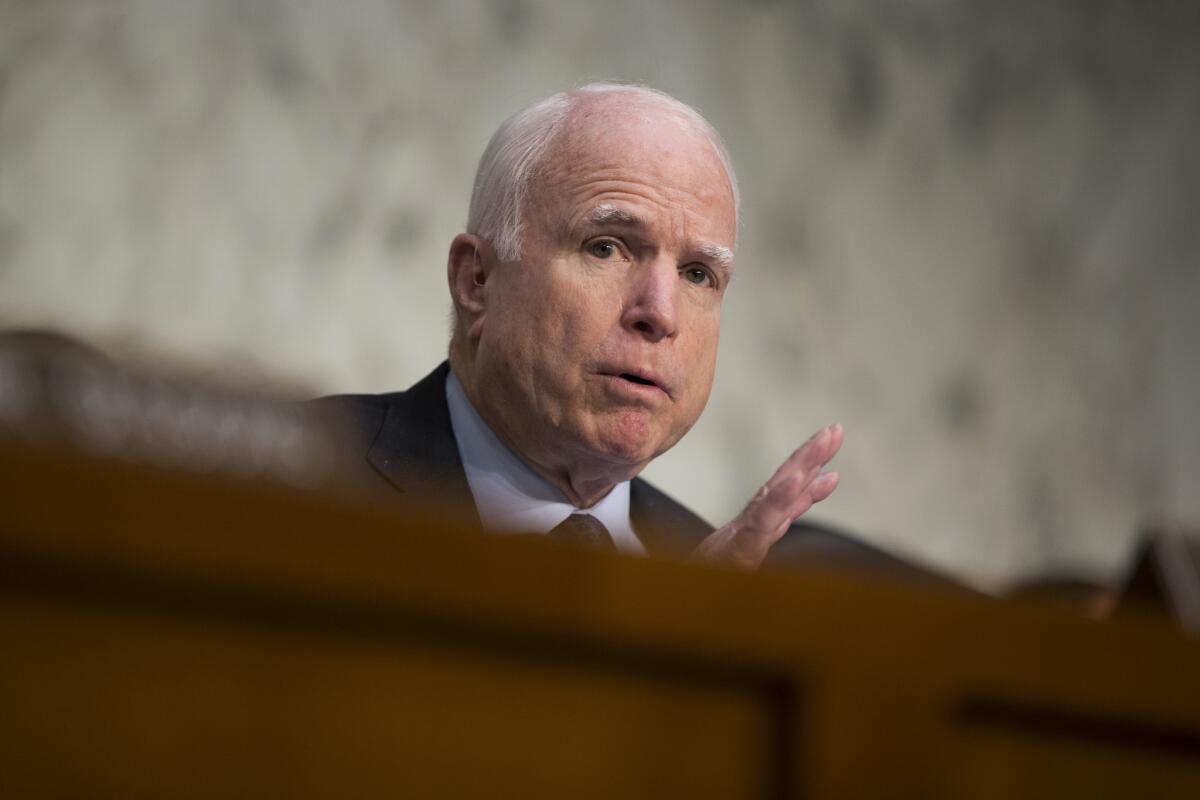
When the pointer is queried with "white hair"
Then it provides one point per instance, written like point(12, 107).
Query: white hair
point(512, 156)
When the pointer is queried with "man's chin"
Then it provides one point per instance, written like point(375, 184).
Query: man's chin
point(629, 441)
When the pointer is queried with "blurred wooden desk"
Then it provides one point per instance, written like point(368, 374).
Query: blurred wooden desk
point(174, 635)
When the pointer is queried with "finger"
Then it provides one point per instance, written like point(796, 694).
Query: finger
point(745, 541)
point(837, 435)
point(819, 489)
point(805, 458)
point(811, 456)
point(786, 495)
point(823, 486)
point(792, 490)
point(770, 512)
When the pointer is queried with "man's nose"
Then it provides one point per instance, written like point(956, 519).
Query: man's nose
point(650, 308)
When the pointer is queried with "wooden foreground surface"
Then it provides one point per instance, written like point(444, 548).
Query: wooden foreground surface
point(173, 635)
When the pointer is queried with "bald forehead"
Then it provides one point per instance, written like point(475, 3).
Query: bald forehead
point(598, 113)
point(612, 134)
point(597, 121)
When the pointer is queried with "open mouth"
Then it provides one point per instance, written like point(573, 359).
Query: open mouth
point(637, 382)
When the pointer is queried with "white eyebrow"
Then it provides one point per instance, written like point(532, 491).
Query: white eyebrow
point(606, 214)
point(720, 256)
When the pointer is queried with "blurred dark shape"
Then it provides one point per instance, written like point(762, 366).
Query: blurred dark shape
point(1068, 593)
point(57, 391)
point(31, 364)
point(810, 545)
point(1164, 581)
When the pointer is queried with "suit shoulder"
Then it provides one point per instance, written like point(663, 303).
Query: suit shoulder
point(811, 543)
point(652, 496)
point(357, 415)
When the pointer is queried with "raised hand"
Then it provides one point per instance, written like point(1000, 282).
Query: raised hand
point(798, 483)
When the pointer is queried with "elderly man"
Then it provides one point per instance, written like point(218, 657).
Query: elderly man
point(587, 298)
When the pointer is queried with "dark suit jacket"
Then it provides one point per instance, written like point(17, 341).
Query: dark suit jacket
point(410, 453)
point(401, 445)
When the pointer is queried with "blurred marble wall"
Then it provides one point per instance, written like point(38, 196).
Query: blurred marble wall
point(969, 232)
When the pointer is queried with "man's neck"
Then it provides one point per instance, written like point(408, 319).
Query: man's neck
point(582, 493)
point(580, 486)
point(510, 496)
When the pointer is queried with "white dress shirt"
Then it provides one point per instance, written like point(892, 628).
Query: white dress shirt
point(512, 498)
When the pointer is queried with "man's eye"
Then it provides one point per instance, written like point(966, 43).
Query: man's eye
point(697, 276)
point(603, 249)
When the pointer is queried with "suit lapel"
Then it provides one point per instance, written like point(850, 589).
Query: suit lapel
point(415, 449)
point(665, 527)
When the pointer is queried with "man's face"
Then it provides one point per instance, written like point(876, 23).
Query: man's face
point(597, 347)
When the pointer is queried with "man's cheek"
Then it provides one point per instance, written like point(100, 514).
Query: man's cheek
point(564, 332)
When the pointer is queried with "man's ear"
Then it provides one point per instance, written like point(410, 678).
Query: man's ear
point(470, 265)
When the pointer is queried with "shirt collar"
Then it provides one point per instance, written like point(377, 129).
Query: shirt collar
point(511, 497)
